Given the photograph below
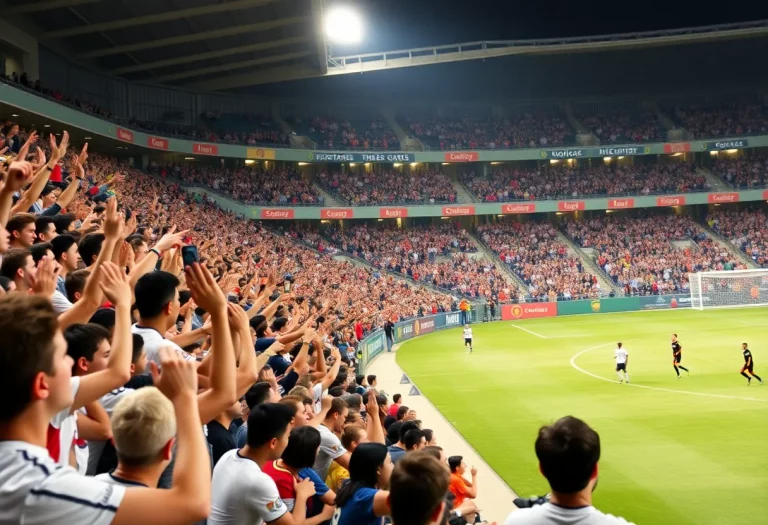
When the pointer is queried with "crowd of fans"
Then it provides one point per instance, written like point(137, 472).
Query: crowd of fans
point(244, 128)
point(331, 133)
point(623, 127)
point(532, 251)
point(639, 254)
point(439, 255)
point(250, 185)
point(745, 229)
point(724, 120)
point(564, 181)
point(526, 130)
point(389, 187)
point(744, 172)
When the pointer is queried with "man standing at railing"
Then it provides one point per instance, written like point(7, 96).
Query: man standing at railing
point(389, 330)
point(464, 308)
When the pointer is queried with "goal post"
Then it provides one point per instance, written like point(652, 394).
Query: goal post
point(729, 289)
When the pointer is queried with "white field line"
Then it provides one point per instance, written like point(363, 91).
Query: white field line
point(702, 394)
point(529, 331)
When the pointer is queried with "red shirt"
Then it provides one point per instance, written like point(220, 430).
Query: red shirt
point(284, 480)
point(393, 408)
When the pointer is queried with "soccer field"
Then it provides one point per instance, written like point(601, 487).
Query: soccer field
point(687, 451)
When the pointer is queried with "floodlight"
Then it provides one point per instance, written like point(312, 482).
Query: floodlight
point(343, 25)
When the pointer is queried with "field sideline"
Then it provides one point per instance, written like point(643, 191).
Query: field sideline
point(693, 450)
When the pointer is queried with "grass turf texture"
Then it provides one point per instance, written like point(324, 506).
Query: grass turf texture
point(667, 456)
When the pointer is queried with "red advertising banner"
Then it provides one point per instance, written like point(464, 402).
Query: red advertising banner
point(677, 147)
point(570, 205)
point(277, 213)
point(205, 149)
point(452, 211)
point(511, 312)
point(620, 204)
point(157, 143)
point(518, 208)
point(423, 326)
point(462, 156)
point(126, 135)
point(717, 198)
point(675, 200)
point(393, 213)
point(336, 213)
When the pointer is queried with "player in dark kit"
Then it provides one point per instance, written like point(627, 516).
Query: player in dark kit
point(677, 356)
point(748, 365)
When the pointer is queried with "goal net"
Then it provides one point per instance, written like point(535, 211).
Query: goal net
point(734, 289)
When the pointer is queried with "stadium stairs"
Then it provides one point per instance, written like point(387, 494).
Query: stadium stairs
point(729, 247)
point(664, 119)
point(716, 182)
point(522, 288)
point(296, 141)
point(463, 195)
point(606, 283)
point(407, 143)
point(330, 199)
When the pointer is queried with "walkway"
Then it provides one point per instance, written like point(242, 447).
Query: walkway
point(495, 498)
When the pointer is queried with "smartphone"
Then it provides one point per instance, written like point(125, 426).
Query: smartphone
point(287, 287)
point(189, 255)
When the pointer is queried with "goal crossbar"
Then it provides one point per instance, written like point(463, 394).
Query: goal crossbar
point(729, 289)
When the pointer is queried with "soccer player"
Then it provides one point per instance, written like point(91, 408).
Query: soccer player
point(748, 365)
point(622, 357)
point(468, 337)
point(677, 356)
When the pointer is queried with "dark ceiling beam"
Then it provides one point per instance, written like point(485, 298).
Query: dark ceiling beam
point(317, 26)
point(46, 5)
point(187, 59)
point(205, 35)
point(156, 18)
point(265, 76)
point(241, 64)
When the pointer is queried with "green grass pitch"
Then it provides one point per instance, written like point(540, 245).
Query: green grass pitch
point(687, 451)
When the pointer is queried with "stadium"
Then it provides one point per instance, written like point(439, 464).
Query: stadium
point(411, 263)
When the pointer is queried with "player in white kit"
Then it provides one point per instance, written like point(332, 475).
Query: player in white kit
point(468, 337)
point(622, 357)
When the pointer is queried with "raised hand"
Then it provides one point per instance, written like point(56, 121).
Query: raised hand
point(83, 155)
point(178, 377)
point(204, 289)
point(31, 139)
point(238, 319)
point(275, 348)
point(55, 155)
point(19, 175)
point(170, 240)
point(63, 144)
point(372, 406)
point(44, 282)
point(114, 220)
point(114, 283)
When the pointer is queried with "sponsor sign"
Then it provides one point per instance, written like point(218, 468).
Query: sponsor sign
point(336, 213)
point(677, 147)
point(620, 204)
point(726, 144)
point(405, 331)
point(452, 211)
point(518, 208)
point(452, 319)
point(570, 205)
point(126, 135)
point(566, 153)
point(315, 156)
point(658, 302)
point(205, 149)
point(717, 198)
point(512, 312)
point(393, 213)
point(676, 200)
point(423, 326)
point(462, 156)
point(260, 154)
point(157, 143)
point(623, 151)
point(277, 213)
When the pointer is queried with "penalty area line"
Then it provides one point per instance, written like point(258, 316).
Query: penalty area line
point(659, 389)
point(529, 331)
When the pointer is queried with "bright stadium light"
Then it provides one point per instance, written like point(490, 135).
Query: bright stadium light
point(343, 25)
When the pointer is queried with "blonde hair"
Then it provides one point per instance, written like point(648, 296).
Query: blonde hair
point(142, 424)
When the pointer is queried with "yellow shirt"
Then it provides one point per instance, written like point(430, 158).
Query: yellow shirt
point(336, 476)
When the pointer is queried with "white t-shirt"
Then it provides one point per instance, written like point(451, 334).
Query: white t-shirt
point(330, 449)
point(621, 355)
point(317, 397)
point(35, 490)
point(153, 341)
point(467, 333)
point(107, 477)
point(96, 448)
point(62, 429)
point(60, 302)
point(550, 514)
point(241, 494)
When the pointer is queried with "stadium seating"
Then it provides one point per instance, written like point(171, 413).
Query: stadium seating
point(744, 172)
point(640, 255)
point(563, 181)
point(389, 187)
point(745, 229)
point(330, 133)
point(722, 120)
point(623, 127)
point(532, 251)
point(237, 128)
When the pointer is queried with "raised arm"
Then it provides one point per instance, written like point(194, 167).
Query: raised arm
point(42, 176)
point(17, 176)
point(247, 371)
point(374, 428)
